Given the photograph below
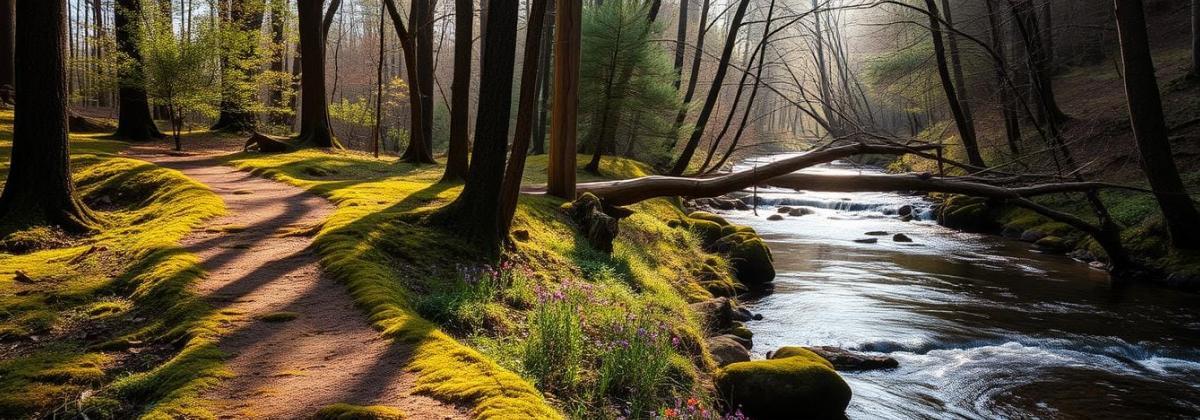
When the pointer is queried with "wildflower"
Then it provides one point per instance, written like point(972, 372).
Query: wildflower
point(692, 402)
point(670, 413)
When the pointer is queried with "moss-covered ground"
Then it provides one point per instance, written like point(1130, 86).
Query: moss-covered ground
point(556, 329)
point(104, 325)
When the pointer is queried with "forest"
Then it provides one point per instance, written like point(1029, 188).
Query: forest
point(599, 209)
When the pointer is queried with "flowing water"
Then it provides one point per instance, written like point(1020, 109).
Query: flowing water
point(983, 327)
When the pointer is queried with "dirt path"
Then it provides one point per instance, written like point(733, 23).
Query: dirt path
point(329, 353)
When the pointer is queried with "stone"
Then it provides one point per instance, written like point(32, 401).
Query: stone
point(775, 217)
point(752, 262)
point(800, 386)
point(1032, 235)
point(800, 211)
point(867, 240)
point(1053, 244)
point(784, 210)
point(717, 313)
point(900, 237)
point(703, 215)
point(725, 350)
point(707, 231)
point(905, 210)
point(876, 233)
point(842, 359)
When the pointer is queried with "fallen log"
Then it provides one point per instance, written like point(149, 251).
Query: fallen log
point(625, 192)
point(265, 144)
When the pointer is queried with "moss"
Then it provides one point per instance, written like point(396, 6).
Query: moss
point(377, 245)
point(146, 210)
point(343, 411)
point(791, 387)
point(752, 262)
point(703, 215)
point(806, 354)
point(278, 317)
point(706, 230)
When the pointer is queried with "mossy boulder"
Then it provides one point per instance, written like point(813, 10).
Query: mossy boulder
point(1053, 244)
point(972, 214)
point(725, 349)
point(801, 386)
point(703, 215)
point(752, 262)
point(707, 231)
point(732, 229)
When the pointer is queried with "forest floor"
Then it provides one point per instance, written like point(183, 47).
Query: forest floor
point(297, 343)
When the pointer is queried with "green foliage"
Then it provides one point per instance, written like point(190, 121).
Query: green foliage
point(554, 348)
point(618, 38)
point(178, 72)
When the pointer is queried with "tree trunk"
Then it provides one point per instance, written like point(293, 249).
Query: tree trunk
point(475, 214)
point(514, 173)
point(460, 92)
point(423, 34)
point(681, 42)
point(39, 189)
point(561, 167)
point(1008, 109)
point(133, 118)
point(714, 92)
point(1039, 62)
point(275, 91)
point(539, 131)
point(694, 74)
point(965, 130)
point(1149, 127)
point(826, 91)
point(7, 20)
point(960, 82)
point(315, 129)
point(416, 152)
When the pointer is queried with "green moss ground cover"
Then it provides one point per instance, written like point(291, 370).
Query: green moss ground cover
point(105, 325)
point(558, 329)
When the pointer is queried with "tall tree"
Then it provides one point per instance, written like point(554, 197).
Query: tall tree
point(278, 46)
point(315, 129)
point(7, 20)
point(544, 79)
point(476, 212)
point(681, 41)
point(1038, 61)
point(1008, 107)
point(243, 22)
point(965, 129)
point(510, 190)
point(460, 92)
point(422, 21)
point(714, 92)
point(417, 150)
point(561, 169)
point(694, 74)
point(960, 82)
point(39, 189)
point(1150, 128)
point(133, 119)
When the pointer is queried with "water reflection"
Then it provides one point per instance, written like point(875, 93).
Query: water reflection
point(983, 327)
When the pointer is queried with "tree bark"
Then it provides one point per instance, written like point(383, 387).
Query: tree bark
point(7, 44)
point(965, 129)
point(275, 91)
point(1195, 73)
point(416, 152)
point(625, 192)
point(681, 42)
point(475, 214)
point(1150, 129)
point(423, 34)
point(714, 92)
point(1038, 61)
point(133, 118)
point(460, 92)
point(514, 173)
point(315, 129)
point(960, 82)
point(39, 189)
point(694, 74)
point(1008, 109)
point(561, 169)
point(545, 78)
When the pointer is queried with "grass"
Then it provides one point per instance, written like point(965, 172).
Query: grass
point(110, 313)
point(469, 331)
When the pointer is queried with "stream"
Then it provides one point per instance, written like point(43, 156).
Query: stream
point(983, 327)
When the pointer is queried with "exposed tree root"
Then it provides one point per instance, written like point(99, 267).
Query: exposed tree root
point(263, 143)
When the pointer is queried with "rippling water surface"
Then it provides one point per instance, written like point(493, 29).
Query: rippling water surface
point(983, 327)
